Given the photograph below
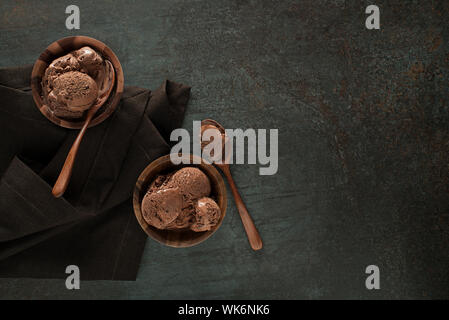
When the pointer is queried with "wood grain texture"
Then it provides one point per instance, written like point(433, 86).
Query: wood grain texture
point(251, 231)
point(60, 48)
point(178, 238)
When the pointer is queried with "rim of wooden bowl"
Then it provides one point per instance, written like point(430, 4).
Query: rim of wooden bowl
point(60, 48)
point(172, 237)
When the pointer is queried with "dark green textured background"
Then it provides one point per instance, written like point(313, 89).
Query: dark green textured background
point(363, 139)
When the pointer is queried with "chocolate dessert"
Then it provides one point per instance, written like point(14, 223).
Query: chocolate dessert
point(192, 183)
point(181, 200)
point(162, 207)
point(207, 214)
point(72, 83)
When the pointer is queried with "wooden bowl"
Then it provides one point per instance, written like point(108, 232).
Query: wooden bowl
point(60, 48)
point(178, 238)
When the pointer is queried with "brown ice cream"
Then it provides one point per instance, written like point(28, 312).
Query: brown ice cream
point(185, 191)
point(183, 220)
point(204, 143)
point(72, 83)
point(161, 207)
point(192, 182)
point(207, 215)
point(90, 61)
point(203, 129)
point(159, 182)
point(57, 67)
point(73, 93)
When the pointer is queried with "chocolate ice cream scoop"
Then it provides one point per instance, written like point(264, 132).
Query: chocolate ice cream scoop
point(89, 60)
point(73, 93)
point(192, 182)
point(207, 215)
point(159, 182)
point(92, 63)
point(205, 143)
point(185, 217)
point(162, 207)
point(86, 61)
point(183, 220)
point(188, 184)
point(57, 67)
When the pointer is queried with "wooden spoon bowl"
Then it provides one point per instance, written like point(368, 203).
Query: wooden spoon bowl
point(251, 231)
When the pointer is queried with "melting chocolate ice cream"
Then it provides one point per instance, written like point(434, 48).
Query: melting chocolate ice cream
point(72, 83)
point(181, 200)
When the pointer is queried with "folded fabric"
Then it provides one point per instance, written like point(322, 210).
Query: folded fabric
point(93, 225)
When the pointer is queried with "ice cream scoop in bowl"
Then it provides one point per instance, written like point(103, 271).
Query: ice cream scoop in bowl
point(77, 82)
point(179, 205)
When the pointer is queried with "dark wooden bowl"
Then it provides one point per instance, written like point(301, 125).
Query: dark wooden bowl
point(60, 48)
point(178, 238)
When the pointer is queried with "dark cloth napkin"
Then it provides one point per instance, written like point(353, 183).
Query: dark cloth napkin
point(93, 226)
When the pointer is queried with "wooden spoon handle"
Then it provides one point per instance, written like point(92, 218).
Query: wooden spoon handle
point(253, 235)
point(66, 171)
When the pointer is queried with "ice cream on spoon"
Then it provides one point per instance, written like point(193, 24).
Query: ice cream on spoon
point(251, 230)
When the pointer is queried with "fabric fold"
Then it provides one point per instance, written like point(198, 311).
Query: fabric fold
point(17, 77)
point(93, 225)
point(27, 205)
point(167, 107)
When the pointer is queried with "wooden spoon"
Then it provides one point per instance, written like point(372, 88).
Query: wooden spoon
point(66, 171)
point(253, 235)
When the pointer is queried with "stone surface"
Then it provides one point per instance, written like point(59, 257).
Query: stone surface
point(363, 150)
